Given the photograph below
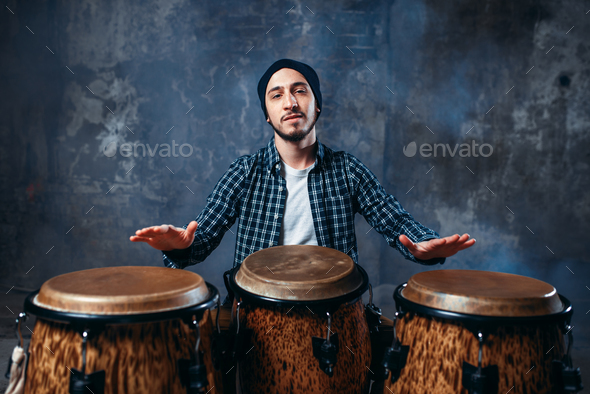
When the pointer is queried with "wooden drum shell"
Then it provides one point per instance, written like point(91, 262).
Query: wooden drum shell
point(281, 357)
point(438, 347)
point(136, 358)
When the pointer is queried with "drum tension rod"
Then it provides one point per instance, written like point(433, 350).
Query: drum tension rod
point(329, 327)
point(84, 343)
point(326, 350)
point(242, 339)
point(238, 317)
point(480, 380)
point(567, 378)
point(198, 343)
point(217, 316)
point(22, 317)
point(394, 358)
point(80, 383)
point(221, 345)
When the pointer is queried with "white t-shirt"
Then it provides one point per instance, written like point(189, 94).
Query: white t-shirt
point(297, 227)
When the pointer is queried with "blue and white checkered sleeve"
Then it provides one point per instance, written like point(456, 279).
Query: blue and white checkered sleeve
point(219, 215)
point(384, 212)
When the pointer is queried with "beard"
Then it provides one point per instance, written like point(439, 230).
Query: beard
point(297, 135)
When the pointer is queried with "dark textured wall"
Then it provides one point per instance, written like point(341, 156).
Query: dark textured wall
point(78, 79)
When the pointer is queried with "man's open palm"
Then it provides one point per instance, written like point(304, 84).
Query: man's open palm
point(440, 247)
point(166, 237)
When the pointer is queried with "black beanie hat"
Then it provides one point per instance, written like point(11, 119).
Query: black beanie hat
point(308, 72)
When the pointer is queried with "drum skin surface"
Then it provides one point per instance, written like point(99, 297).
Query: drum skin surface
point(122, 290)
point(438, 346)
point(289, 272)
point(136, 357)
point(483, 293)
point(281, 359)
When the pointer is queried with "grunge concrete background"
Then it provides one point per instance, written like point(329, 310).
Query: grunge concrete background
point(80, 79)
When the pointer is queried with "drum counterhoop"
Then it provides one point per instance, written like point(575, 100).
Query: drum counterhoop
point(404, 305)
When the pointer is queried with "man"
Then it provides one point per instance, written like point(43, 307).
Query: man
point(297, 191)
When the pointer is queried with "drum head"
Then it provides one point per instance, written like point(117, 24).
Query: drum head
point(483, 293)
point(122, 291)
point(300, 273)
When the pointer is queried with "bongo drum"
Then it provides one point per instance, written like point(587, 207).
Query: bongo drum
point(464, 331)
point(300, 322)
point(122, 330)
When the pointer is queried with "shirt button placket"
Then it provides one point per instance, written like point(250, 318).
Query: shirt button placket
point(278, 167)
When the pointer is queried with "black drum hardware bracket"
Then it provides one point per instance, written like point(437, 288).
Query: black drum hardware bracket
point(567, 378)
point(480, 380)
point(193, 375)
point(373, 313)
point(80, 383)
point(326, 352)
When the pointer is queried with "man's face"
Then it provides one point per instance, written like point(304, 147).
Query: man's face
point(290, 105)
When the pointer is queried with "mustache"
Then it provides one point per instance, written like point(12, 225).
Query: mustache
point(293, 113)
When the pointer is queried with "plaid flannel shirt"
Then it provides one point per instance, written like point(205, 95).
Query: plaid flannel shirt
point(253, 191)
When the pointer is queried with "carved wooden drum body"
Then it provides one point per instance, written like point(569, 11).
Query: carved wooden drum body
point(452, 322)
point(302, 325)
point(122, 330)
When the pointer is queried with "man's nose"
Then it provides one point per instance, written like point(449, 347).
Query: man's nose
point(289, 101)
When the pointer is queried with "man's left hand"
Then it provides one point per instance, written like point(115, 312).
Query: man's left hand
point(439, 247)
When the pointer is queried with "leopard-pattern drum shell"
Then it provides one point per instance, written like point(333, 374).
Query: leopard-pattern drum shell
point(136, 358)
point(280, 356)
point(438, 347)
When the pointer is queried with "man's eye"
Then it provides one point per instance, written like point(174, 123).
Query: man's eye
point(300, 91)
point(276, 95)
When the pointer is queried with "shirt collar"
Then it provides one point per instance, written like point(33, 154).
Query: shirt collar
point(272, 157)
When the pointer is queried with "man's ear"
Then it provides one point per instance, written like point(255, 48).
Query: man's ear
point(268, 120)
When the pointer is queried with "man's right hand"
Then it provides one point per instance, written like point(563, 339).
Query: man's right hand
point(166, 237)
